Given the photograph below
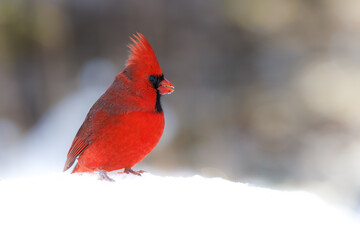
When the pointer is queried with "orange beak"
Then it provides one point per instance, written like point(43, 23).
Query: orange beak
point(165, 87)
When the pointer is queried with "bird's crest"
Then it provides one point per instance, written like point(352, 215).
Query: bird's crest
point(142, 56)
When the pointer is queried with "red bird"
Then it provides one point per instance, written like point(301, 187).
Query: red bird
point(127, 121)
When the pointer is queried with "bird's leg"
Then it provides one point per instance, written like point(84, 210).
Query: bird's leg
point(129, 170)
point(103, 176)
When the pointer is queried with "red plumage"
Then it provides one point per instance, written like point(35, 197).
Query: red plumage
point(127, 121)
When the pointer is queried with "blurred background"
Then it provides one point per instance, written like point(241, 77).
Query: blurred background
point(267, 92)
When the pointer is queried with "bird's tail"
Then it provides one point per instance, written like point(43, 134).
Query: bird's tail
point(80, 168)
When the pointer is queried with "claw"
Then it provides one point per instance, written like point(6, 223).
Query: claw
point(129, 170)
point(103, 176)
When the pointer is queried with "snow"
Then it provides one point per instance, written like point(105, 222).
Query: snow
point(74, 206)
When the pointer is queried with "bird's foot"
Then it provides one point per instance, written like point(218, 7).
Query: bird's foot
point(129, 170)
point(103, 176)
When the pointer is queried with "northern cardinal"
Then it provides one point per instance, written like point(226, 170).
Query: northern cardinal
point(127, 121)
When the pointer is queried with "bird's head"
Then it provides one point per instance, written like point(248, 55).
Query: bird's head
point(143, 67)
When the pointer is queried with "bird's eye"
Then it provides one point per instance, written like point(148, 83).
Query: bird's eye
point(152, 78)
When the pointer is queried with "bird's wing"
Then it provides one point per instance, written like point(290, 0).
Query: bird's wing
point(83, 137)
point(77, 147)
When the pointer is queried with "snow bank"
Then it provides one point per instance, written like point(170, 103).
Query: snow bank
point(64, 206)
